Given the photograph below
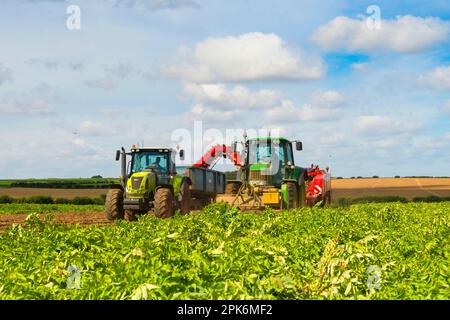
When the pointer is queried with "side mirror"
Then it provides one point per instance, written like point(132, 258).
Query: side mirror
point(181, 154)
point(117, 155)
point(298, 146)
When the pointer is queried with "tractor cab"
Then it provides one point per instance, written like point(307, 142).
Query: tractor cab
point(270, 161)
point(152, 160)
point(148, 168)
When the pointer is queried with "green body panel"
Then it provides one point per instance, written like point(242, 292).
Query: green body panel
point(294, 173)
point(146, 187)
point(283, 191)
point(176, 182)
point(259, 166)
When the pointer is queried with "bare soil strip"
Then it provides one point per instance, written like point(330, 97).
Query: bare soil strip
point(72, 218)
point(52, 192)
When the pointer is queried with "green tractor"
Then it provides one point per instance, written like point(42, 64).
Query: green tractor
point(267, 176)
point(149, 183)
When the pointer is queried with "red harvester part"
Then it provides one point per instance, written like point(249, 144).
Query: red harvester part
point(208, 159)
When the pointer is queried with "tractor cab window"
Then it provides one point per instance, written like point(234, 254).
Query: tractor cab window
point(289, 155)
point(150, 160)
point(269, 152)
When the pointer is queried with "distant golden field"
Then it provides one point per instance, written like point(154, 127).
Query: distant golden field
point(403, 187)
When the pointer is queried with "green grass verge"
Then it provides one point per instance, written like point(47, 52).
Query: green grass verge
point(47, 208)
point(72, 183)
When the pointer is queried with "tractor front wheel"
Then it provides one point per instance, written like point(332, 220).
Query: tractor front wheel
point(130, 215)
point(232, 188)
point(114, 204)
point(291, 195)
point(164, 203)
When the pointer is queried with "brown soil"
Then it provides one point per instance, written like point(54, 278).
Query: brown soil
point(52, 192)
point(82, 219)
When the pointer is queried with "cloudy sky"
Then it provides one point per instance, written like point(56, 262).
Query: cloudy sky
point(368, 96)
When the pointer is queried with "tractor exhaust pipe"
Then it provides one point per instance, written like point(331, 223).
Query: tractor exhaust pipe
point(122, 156)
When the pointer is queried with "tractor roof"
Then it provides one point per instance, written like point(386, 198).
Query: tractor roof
point(269, 138)
point(143, 149)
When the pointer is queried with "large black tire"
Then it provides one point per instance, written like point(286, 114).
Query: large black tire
point(114, 204)
point(326, 199)
point(130, 215)
point(185, 203)
point(292, 195)
point(302, 196)
point(164, 203)
point(232, 188)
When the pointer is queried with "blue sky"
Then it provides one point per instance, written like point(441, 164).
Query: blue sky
point(367, 101)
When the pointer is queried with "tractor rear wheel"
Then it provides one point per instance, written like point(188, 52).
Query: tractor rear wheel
point(232, 188)
point(114, 204)
point(292, 195)
point(130, 215)
point(185, 203)
point(326, 199)
point(164, 203)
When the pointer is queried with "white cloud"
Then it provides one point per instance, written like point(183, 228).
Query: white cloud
point(212, 115)
point(323, 106)
point(91, 128)
point(236, 97)
point(5, 74)
point(382, 125)
point(438, 78)
point(248, 57)
point(404, 34)
point(332, 139)
point(360, 66)
point(327, 99)
point(430, 146)
point(25, 106)
point(38, 101)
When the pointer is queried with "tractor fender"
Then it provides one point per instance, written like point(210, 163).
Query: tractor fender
point(303, 176)
point(117, 186)
point(188, 180)
point(165, 186)
point(289, 180)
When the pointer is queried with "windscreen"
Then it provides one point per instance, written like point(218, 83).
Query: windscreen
point(265, 152)
point(150, 160)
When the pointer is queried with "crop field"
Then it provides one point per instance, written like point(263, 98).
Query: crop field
point(370, 251)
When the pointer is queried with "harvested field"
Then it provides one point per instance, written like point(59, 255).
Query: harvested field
point(52, 192)
point(83, 219)
point(403, 187)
